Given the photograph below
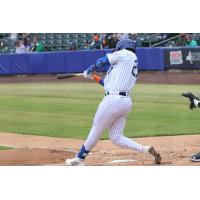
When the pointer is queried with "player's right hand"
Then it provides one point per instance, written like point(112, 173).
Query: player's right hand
point(86, 75)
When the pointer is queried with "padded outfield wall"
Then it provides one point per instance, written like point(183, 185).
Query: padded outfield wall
point(77, 61)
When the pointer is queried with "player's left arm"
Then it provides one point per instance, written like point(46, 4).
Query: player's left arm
point(101, 62)
point(107, 61)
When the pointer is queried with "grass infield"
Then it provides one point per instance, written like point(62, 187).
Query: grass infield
point(67, 109)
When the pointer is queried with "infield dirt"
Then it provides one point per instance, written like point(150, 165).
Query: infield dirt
point(163, 77)
point(40, 150)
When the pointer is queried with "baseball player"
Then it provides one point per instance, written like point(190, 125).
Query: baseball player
point(116, 105)
point(194, 103)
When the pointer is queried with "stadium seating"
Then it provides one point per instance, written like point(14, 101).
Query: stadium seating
point(63, 41)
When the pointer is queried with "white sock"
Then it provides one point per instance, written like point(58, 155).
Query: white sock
point(146, 149)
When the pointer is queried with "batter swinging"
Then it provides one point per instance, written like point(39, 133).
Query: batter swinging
point(116, 105)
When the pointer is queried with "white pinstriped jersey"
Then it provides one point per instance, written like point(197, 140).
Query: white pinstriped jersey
point(122, 74)
point(114, 109)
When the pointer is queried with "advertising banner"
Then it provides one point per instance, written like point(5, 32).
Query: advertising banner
point(182, 58)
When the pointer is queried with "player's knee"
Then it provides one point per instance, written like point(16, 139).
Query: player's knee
point(115, 138)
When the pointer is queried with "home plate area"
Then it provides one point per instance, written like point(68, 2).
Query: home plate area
point(48, 151)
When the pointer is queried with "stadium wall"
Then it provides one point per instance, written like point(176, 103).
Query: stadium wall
point(77, 61)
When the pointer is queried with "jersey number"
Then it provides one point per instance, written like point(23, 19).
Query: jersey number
point(135, 71)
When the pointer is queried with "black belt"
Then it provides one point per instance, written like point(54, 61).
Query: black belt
point(117, 93)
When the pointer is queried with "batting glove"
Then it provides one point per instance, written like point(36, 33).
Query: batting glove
point(86, 75)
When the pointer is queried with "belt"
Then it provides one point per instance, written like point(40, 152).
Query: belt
point(117, 93)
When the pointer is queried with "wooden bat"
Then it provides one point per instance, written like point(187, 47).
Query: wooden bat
point(64, 76)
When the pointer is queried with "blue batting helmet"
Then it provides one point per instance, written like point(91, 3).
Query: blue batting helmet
point(125, 44)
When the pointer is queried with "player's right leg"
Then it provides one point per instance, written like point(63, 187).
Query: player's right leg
point(116, 135)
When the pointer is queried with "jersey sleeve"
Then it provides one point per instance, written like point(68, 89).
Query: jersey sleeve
point(113, 57)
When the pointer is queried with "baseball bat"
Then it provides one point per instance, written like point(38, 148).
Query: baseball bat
point(65, 76)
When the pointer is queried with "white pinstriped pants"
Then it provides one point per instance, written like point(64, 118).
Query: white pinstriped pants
point(111, 114)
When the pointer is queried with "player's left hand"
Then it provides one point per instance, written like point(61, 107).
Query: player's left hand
point(87, 75)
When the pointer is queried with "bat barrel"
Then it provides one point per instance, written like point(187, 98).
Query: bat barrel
point(65, 76)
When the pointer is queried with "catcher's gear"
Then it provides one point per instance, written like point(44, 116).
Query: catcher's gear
point(192, 98)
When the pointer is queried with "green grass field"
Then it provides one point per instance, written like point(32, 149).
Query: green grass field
point(67, 109)
point(4, 148)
